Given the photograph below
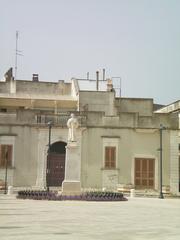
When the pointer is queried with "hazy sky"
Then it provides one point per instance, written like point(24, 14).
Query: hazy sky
point(138, 40)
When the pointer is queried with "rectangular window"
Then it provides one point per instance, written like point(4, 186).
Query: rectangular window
point(110, 157)
point(5, 156)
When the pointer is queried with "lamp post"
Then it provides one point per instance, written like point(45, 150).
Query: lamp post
point(49, 150)
point(6, 169)
point(160, 163)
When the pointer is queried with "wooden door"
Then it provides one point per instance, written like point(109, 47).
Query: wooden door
point(55, 169)
point(144, 173)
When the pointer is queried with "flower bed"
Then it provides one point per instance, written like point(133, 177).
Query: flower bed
point(86, 196)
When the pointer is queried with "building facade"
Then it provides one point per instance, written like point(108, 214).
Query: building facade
point(119, 138)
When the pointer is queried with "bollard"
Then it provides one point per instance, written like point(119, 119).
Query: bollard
point(132, 193)
point(10, 190)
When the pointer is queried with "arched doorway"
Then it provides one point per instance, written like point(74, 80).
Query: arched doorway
point(56, 164)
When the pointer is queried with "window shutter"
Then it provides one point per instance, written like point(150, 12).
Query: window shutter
point(110, 157)
point(9, 155)
point(5, 155)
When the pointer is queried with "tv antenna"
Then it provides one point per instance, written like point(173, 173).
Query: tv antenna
point(17, 53)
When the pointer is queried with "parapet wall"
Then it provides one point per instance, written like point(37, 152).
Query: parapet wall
point(40, 88)
point(30, 87)
point(142, 106)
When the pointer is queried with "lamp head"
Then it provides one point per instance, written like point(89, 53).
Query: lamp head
point(162, 127)
point(49, 123)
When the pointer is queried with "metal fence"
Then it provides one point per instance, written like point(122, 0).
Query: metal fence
point(59, 119)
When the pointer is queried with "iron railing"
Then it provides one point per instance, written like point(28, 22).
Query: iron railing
point(60, 119)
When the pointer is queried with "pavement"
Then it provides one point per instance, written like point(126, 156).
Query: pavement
point(135, 219)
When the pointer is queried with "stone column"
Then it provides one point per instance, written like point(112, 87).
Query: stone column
point(71, 184)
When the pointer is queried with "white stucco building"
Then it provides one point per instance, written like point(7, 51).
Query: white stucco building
point(118, 138)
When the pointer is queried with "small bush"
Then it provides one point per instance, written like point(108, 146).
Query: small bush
point(37, 195)
point(103, 196)
point(86, 196)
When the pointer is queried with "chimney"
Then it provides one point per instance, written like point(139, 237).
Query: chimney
point(10, 79)
point(9, 75)
point(35, 77)
point(87, 75)
point(104, 74)
point(97, 80)
point(109, 85)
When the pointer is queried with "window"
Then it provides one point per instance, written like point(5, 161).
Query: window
point(5, 155)
point(110, 153)
point(3, 110)
point(110, 157)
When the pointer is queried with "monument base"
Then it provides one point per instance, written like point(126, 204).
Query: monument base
point(71, 188)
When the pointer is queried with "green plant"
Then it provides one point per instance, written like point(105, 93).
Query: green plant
point(86, 196)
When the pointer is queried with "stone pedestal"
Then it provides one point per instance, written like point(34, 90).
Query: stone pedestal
point(72, 182)
point(10, 190)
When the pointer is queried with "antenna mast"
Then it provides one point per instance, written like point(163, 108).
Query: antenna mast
point(17, 53)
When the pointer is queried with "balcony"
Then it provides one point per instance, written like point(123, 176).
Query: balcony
point(32, 118)
point(59, 119)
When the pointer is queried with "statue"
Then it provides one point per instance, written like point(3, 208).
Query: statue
point(72, 124)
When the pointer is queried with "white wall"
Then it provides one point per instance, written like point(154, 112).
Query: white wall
point(131, 144)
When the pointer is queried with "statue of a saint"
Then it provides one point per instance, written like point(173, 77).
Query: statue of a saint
point(72, 124)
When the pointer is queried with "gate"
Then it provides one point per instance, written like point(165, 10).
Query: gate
point(56, 164)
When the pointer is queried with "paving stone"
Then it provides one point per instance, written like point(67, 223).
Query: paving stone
point(136, 219)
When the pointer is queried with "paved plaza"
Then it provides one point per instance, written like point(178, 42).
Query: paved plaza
point(136, 219)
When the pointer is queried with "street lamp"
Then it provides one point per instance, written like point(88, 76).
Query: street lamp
point(6, 171)
point(160, 164)
point(49, 150)
point(49, 143)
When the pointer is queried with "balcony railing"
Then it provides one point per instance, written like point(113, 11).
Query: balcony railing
point(41, 119)
point(59, 119)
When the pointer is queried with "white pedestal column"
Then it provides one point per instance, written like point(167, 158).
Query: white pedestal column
point(72, 182)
